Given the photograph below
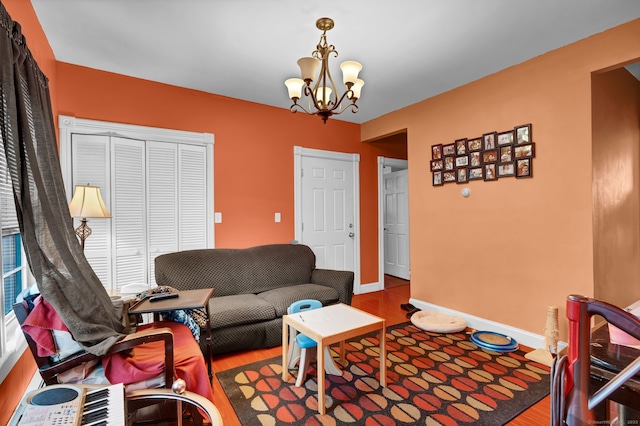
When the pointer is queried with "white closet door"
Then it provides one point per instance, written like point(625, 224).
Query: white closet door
point(192, 197)
point(162, 187)
point(92, 167)
point(129, 212)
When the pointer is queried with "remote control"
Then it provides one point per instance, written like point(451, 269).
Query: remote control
point(162, 296)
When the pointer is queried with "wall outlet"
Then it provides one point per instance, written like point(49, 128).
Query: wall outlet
point(217, 217)
point(277, 217)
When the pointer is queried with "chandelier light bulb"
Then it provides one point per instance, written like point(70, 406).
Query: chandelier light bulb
point(294, 85)
point(356, 88)
point(308, 67)
point(323, 95)
point(350, 70)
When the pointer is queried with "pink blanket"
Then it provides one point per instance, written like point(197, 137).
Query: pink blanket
point(40, 322)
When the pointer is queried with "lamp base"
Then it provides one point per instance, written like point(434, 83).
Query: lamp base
point(83, 231)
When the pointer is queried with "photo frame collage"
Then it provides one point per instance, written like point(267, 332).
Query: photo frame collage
point(492, 156)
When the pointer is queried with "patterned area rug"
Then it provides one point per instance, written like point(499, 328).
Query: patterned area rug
point(432, 379)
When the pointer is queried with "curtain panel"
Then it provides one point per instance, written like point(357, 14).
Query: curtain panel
point(27, 132)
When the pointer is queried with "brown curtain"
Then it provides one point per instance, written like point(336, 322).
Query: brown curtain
point(64, 277)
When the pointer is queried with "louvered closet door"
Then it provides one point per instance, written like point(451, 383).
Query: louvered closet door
point(192, 199)
point(162, 218)
point(92, 166)
point(129, 212)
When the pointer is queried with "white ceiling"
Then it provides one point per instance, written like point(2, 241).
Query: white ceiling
point(410, 49)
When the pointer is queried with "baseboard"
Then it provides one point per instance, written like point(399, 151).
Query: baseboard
point(523, 337)
point(370, 288)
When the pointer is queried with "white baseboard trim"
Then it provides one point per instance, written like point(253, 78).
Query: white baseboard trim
point(370, 288)
point(523, 337)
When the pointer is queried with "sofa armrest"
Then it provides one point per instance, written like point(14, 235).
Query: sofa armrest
point(342, 281)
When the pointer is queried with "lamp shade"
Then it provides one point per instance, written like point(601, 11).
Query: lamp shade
point(357, 88)
point(323, 95)
point(350, 70)
point(295, 87)
point(308, 68)
point(87, 202)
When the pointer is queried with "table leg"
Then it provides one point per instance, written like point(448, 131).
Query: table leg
point(320, 370)
point(383, 356)
point(285, 351)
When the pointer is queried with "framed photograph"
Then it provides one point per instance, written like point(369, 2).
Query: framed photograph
point(462, 161)
point(474, 144)
point(490, 156)
point(490, 172)
point(449, 176)
point(449, 163)
point(489, 141)
point(436, 165)
point(437, 179)
point(506, 153)
point(506, 169)
point(462, 175)
point(475, 173)
point(449, 149)
point(523, 168)
point(475, 160)
point(461, 147)
point(524, 151)
point(436, 152)
point(505, 138)
point(523, 134)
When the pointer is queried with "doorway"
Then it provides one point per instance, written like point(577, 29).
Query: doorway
point(327, 208)
point(393, 219)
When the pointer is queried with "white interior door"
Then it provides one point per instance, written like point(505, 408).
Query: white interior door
point(396, 224)
point(328, 212)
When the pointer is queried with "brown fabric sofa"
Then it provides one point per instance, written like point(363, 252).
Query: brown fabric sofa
point(253, 289)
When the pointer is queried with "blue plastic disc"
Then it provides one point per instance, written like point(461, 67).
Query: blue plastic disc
point(494, 341)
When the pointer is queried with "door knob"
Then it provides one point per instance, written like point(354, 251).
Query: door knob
point(351, 234)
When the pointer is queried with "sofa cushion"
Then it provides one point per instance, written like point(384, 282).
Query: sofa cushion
point(227, 311)
point(281, 298)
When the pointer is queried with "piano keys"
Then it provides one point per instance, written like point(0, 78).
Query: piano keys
point(75, 405)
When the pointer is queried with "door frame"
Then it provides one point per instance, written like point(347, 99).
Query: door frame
point(298, 153)
point(382, 162)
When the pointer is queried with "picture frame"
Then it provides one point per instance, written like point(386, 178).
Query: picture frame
point(490, 156)
point(522, 134)
point(490, 172)
point(506, 153)
point(461, 146)
point(474, 144)
point(436, 179)
point(449, 162)
point(475, 159)
point(506, 169)
point(436, 152)
point(449, 149)
point(523, 168)
point(505, 138)
point(449, 176)
point(489, 141)
point(437, 165)
point(462, 161)
point(524, 151)
point(462, 175)
point(475, 173)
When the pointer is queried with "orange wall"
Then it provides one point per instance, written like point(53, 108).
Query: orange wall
point(616, 186)
point(253, 152)
point(515, 246)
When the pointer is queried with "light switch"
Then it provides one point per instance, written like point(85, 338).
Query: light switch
point(277, 217)
point(217, 217)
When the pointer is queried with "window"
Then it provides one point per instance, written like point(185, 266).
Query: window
point(14, 271)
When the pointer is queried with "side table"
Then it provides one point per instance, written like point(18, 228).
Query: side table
point(187, 299)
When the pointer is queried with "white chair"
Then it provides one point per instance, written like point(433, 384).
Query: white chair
point(302, 348)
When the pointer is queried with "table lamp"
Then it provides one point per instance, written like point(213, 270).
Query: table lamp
point(87, 203)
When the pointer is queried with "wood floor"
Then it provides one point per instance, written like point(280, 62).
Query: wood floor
point(384, 304)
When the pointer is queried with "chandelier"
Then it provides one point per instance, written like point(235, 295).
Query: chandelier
point(324, 98)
